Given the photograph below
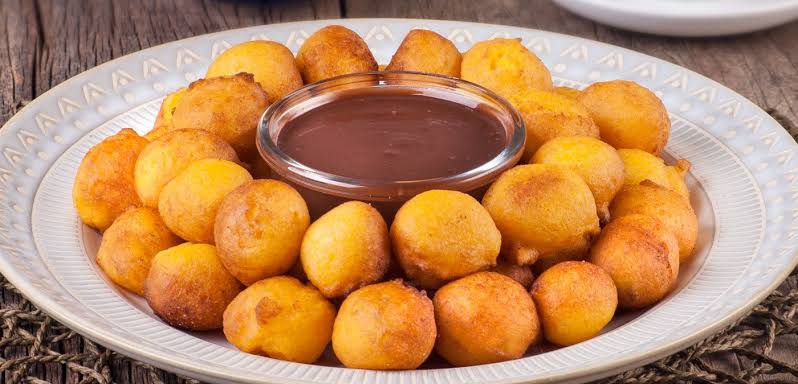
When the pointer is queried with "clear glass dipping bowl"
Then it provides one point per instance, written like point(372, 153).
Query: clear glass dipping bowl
point(323, 191)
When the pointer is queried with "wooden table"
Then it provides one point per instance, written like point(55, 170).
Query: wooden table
point(45, 42)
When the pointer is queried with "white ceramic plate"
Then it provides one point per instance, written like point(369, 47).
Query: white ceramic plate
point(687, 17)
point(743, 182)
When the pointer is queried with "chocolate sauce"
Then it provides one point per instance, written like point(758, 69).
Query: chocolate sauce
point(398, 135)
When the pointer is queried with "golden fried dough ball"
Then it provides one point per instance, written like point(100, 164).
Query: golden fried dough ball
point(426, 51)
point(333, 51)
point(629, 115)
point(104, 180)
point(575, 300)
point(384, 326)
point(676, 174)
point(640, 165)
point(163, 122)
point(642, 257)
point(228, 106)
point(484, 318)
point(271, 63)
point(280, 317)
point(346, 248)
point(189, 202)
point(548, 115)
point(541, 211)
point(520, 273)
point(595, 161)
point(438, 236)
point(189, 288)
point(673, 210)
point(259, 228)
point(567, 91)
point(506, 67)
point(164, 158)
point(130, 243)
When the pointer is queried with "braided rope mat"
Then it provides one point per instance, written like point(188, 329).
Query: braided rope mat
point(36, 349)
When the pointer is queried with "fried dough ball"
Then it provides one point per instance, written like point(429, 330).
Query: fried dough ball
point(484, 318)
point(164, 158)
point(333, 51)
point(163, 121)
point(567, 91)
point(575, 300)
point(505, 66)
point(280, 317)
point(629, 115)
point(595, 161)
point(426, 51)
point(271, 63)
point(438, 236)
point(642, 257)
point(548, 115)
point(673, 210)
point(541, 211)
point(130, 243)
point(676, 174)
point(104, 180)
point(384, 326)
point(520, 273)
point(346, 248)
point(228, 106)
point(259, 228)
point(189, 202)
point(189, 288)
point(640, 165)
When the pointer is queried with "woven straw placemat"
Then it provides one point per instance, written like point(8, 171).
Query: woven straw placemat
point(761, 347)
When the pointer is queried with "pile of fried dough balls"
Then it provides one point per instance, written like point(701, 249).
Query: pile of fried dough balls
point(595, 222)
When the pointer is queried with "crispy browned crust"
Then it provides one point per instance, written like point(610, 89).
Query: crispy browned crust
point(104, 185)
point(387, 326)
point(259, 228)
point(484, 318)
point(188, 287)
point(629, 115)
point(669, 207)
point(647, 277)
point(575, 300)
point(346, 248)
point(130, 243)
point(333, 51)
point(228, 106)
point(426, 51)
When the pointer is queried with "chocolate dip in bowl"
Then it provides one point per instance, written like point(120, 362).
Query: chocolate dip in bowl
point(384, 137)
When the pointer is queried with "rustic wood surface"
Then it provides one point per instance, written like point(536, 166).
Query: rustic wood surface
point(45, 42)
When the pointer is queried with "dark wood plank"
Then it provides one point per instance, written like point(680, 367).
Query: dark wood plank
point(79, 35)
point(737, 62)
point(20, 40)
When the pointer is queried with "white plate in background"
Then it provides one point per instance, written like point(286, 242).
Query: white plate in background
point(686, 18)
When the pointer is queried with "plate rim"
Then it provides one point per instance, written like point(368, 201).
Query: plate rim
point(108, 339)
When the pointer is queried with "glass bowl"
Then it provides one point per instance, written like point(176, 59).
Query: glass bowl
point(323, 191)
